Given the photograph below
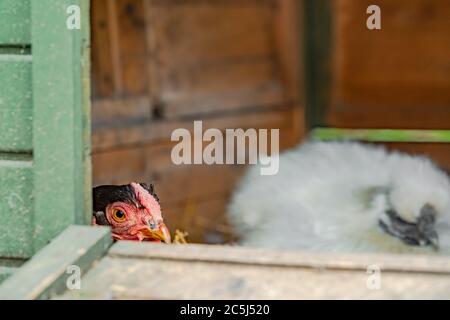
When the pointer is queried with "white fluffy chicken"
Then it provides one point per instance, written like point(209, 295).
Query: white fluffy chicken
point(345, 197)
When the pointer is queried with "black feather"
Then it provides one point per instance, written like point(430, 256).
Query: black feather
point(104, 195)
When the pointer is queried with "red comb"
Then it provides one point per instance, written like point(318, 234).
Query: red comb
point(147, 201)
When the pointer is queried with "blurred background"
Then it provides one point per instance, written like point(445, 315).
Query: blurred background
point(158, 65)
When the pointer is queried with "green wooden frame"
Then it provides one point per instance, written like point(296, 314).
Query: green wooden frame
point(382, 135)
point(45, 275)
point(61, 127)
point(317, 60)
point(45, 175)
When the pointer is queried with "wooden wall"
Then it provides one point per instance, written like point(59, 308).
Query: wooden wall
point(160, 65)
point(396, 77)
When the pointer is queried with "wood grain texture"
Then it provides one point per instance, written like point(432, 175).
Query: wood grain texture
point(265, 257)
point(218, 272)
point(133, 52)
point(119, 55)
point(396, 77)
point(120, 111)
point(119, 136)
point(102, 64)
point(46, 274)
point(289, 39)
point(202, 60)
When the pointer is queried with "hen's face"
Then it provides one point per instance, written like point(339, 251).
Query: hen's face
point(132, 211)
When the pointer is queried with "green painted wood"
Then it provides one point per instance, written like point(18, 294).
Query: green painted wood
point(15, 21)
point(16, 206)
point(15, 103)
point(382, 135)
point(85, 88)
point(45, 182)
point(45, 275)
point(6, 272)
point(61, 149)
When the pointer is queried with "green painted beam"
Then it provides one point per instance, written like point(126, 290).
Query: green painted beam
point(45, 275)
point(60, 129)
point(382, 135)
point(15, 22)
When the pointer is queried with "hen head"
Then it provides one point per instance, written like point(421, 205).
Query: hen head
point(132, 211)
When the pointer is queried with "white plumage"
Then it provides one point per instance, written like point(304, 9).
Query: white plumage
point(333, 196)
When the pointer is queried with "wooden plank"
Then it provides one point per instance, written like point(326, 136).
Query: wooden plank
point(15, 21)
point(46, 273)
point(255, 256)
point(185, 105)
point(15, 103)
point(119, 48)
point(290, 57)
point(202, 61)
point(60, 126)
point(210, 31)
point(221, 86)
point(289, 48)
point(218, 272)
point(207, 280)
point(16, 209)
point(105, 138)
point(102, 54)
point(396, 77)
point(121, 110)
point(133, 53)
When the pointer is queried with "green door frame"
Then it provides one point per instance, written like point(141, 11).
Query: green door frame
point(61, 119)
point(45, 164)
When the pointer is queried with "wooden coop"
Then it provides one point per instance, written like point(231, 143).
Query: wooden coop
point(97, 105)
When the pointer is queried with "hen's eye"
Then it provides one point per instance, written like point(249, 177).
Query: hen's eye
point(118, 215)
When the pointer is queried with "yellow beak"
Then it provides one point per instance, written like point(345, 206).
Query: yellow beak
point(162, 233)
